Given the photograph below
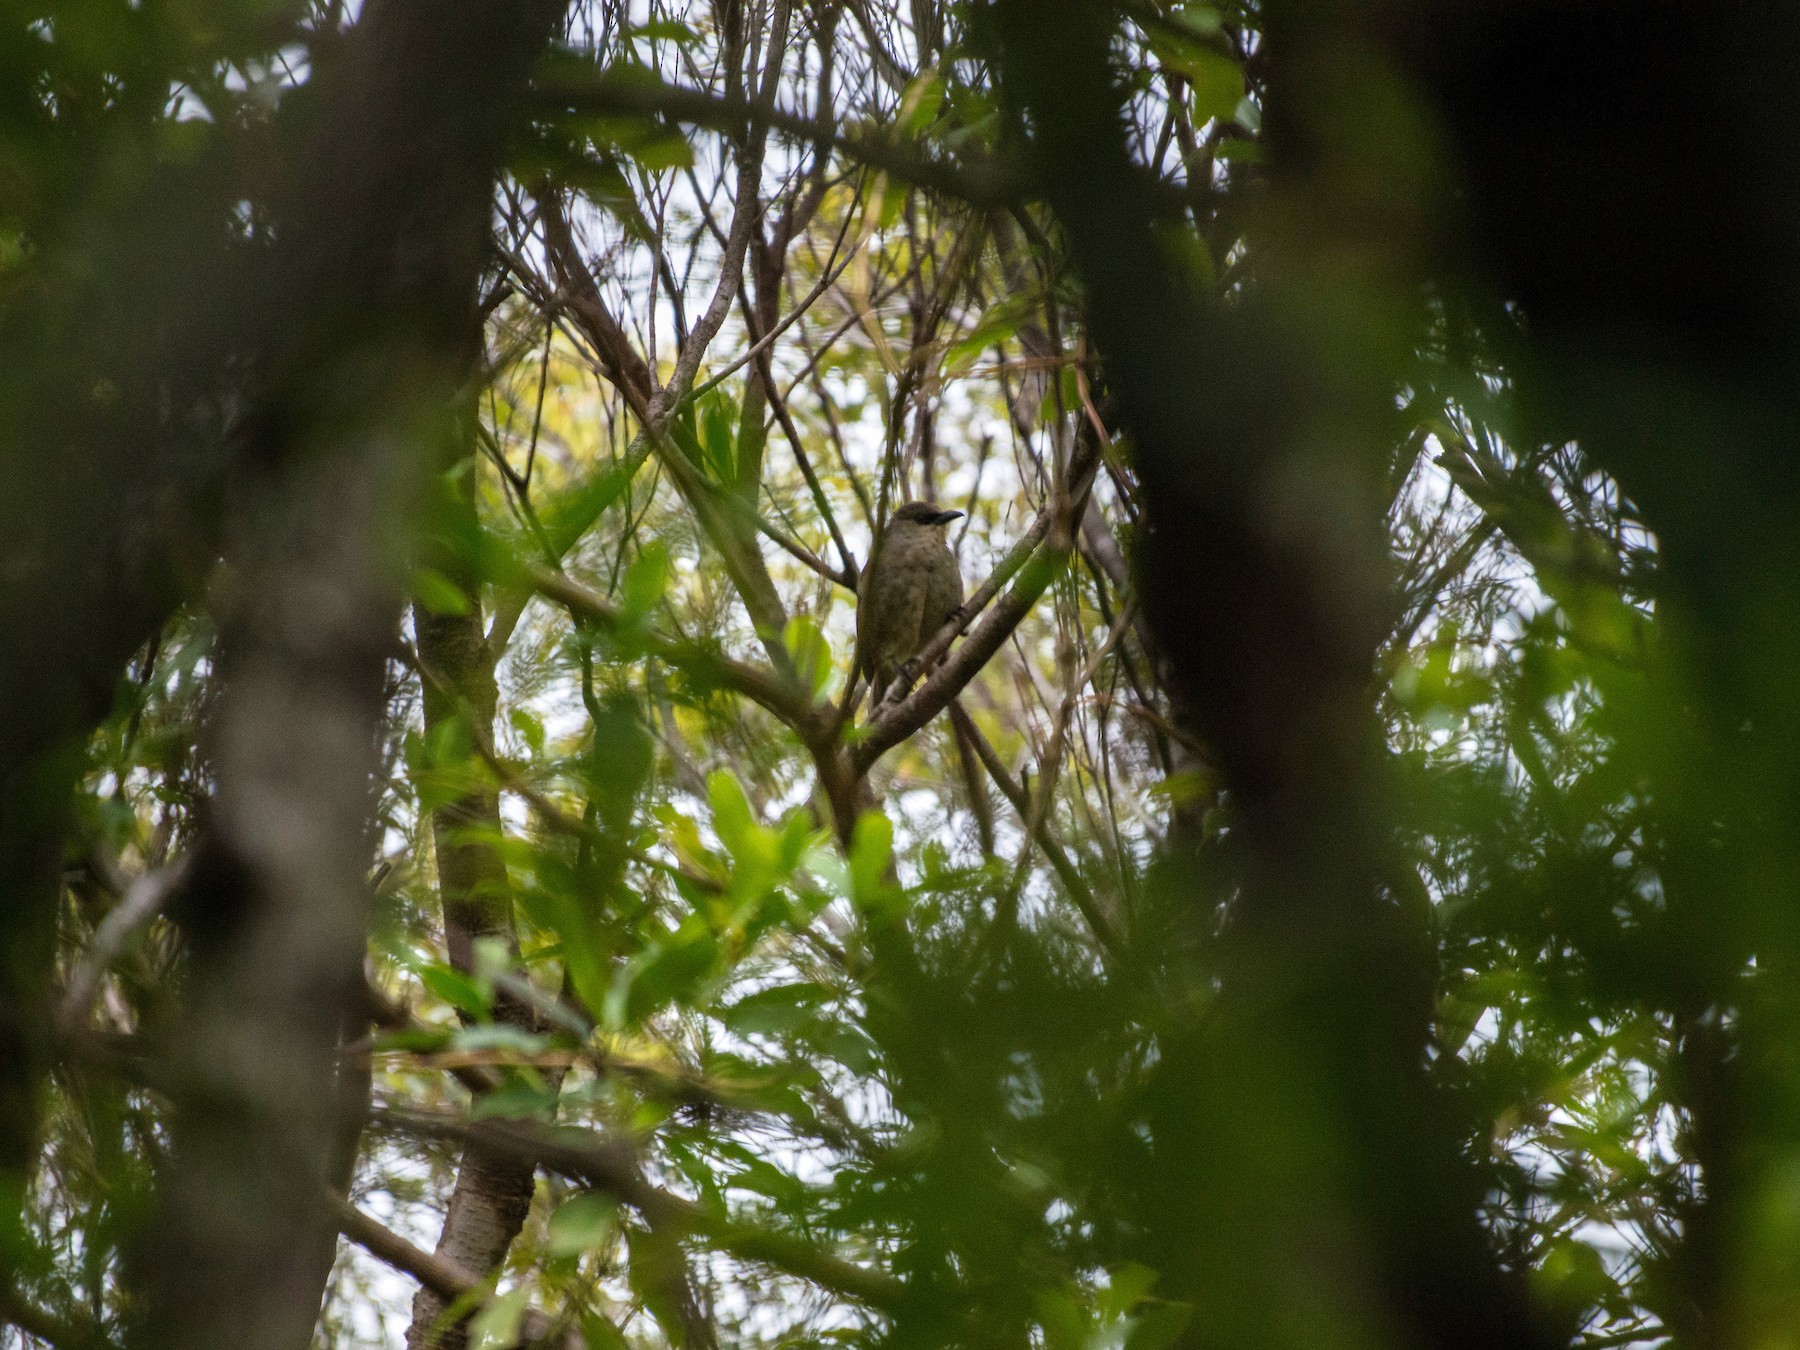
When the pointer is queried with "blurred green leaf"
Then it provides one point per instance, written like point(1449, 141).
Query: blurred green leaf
point(1236, 150)
point(521, 1097)
point(1215, 84)
point(646, 580)
point(919, 104)
point(438, 593)
point(666, 30)
point(498, 1036)
point(732, 817)
point(810, 651)
point(582, 1222)
point(496, 1326)
point(457, 989)
point(1158, 1325)
point(871, 857)
point(778, 1011)
point(529, 726)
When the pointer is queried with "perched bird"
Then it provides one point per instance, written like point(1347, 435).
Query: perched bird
point(910, 589)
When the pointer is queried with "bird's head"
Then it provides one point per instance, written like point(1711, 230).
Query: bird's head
point(922, 515)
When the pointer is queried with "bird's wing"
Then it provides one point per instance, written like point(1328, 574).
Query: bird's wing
point(879, 616)
point(945, 596)
point(859, 657)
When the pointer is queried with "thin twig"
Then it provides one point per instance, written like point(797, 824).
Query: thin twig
point(142, 902)
point(442, 1276)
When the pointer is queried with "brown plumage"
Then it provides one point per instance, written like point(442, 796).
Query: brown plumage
point(910, 589)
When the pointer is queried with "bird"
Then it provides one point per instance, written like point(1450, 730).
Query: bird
point(911, 588)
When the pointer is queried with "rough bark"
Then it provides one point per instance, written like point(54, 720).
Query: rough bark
point(487, 1208)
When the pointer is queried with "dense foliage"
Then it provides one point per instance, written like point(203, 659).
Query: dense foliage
point(1334, 890)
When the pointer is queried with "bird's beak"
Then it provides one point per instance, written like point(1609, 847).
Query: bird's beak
point(945, 517)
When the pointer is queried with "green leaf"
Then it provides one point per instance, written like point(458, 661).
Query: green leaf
point(764, 1178)
point(602, 1334)
point(664, 149)
point(620, 758)
point(1065, 1322)
point(797, 836)
point(666, 972)
point(1128, 1286)
point(456, 989)
point(1572, 1278)
point(417, 1040)
point(888, 202)
point(581, 1223)
point(1188, 252)
point(1001, 322)
point(529, 727)
point(568, 514)
point(665, 30)
point(1158, 1324)
point(732, 818)
point(777, 1011)
point(824, 862)
point(1197, 21)
point(1215, 84)
point(1236, 150)
point(498, 1036)
point(440, 595)
point(718, 436)
point(656, 1277)
point(810, 651)
point(978, 116)
point(555, 909)
point(871, 855)
point(496, 1326)
point(594, 172)
point(646, 580)
point(683, 836)
point(520, 1098)
point(849, 1047)
point(920, 103)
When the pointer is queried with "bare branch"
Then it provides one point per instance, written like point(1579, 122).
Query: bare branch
point(442, 1276)
point(978, 179)
point(45, 1326)
point(611, 1166)
point(142, 902)
point(1066, 871)
point(783, 697)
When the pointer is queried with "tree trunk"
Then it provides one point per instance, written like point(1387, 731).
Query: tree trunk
point(382, 237)
point(492, 1194)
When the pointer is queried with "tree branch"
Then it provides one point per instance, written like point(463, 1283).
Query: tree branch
point(981, 180)
point(142, 902)
point(611, 1166)
point(785, 698)
point(442, 1276)
point(1037, 558)
point(45, 1326)
point(1070, 875)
